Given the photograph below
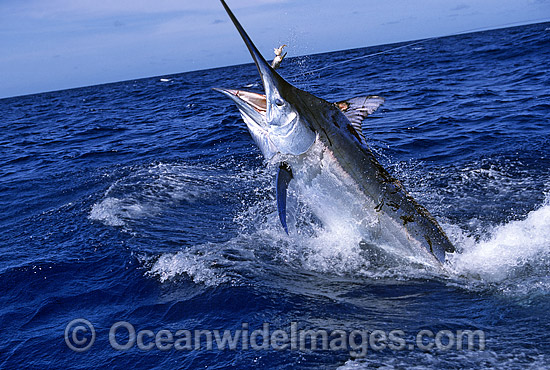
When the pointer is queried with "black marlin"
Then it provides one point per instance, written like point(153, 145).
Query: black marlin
point(320, 145)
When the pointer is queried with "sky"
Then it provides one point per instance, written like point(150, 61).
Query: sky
point(59, 44)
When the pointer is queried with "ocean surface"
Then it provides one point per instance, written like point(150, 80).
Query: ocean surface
point(146, 202)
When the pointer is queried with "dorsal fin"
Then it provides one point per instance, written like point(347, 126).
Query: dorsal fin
point(358, 108)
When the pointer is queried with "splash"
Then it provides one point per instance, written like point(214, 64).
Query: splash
point(327, 235)
point(113, 211)
point(508, 249)
point(504, 257)
point(199, 267)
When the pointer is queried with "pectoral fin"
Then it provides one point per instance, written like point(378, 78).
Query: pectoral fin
point(284, 175)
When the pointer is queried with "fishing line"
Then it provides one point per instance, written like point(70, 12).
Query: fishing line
point(533, 21)
point(362, 57)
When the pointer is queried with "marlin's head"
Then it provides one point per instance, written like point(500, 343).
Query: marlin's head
point(275, 121)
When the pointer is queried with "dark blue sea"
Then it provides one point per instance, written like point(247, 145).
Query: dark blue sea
point(146, 202)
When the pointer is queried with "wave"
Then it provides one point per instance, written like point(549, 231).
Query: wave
point(200, 267)
point(509, 257)
point(515, 250)
point(513, 257)
point(148, 190)
point(506, 360)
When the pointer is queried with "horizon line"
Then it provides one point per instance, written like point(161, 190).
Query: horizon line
point(415, 41)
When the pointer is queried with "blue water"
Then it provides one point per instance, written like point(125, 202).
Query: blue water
point(147, 201)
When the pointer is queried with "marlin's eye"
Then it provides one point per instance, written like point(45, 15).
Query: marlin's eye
point(279, 102)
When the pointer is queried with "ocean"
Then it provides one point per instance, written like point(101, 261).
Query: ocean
point(139, 222)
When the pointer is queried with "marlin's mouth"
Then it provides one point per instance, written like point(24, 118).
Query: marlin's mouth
point(254, 100)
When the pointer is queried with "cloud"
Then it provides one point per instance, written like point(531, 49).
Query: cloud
point(53, 9)
point(99, 41)
point(390, 23)
point(460, 7)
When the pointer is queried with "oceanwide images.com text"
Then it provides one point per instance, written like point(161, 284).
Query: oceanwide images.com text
point(80, 336)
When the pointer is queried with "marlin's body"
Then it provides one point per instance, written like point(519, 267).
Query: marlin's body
point(321, 147)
